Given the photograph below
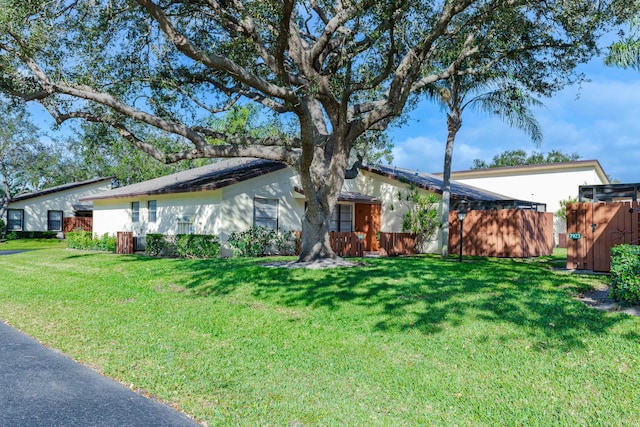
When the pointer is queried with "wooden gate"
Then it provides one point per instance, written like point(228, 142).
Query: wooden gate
point(593, 228)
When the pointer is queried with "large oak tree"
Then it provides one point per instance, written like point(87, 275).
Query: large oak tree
point(336, 70)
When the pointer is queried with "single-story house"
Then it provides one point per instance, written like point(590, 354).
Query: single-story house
point(545, 183)
point(46, 210)
point(234, 194)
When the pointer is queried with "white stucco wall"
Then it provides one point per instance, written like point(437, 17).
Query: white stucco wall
point(218, 212)
point(545, 186)
point(36, 208)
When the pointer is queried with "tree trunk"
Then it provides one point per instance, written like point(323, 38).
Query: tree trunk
point(322, 182)
point(453, 125)
point(315, 240)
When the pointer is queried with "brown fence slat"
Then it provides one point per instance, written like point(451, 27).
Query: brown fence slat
point(504, 233)
point(394, 244)
point(346, 244)
point(74, 223)
point(124, 244)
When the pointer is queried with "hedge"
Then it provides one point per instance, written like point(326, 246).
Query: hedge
point(15, 235)
point(85, 240)
point(625, 273)
point(183, 245)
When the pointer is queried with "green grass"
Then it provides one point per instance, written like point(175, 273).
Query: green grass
point(408, 341)
point(31, 244)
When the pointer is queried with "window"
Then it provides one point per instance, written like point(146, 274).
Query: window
point(15, 220)
point(342, 218)
point(265, 213)
point(135, 211)
point(54, 220)
point(185, 224)
point(151, 207)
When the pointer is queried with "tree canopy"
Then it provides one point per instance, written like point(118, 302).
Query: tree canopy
point(625, 53)
point(26, 163)
point(335, 71)
point(520, 158)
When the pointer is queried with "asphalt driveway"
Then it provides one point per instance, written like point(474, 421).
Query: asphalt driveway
point(41, 387)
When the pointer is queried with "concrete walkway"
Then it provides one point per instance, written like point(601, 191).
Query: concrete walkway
point(41, 387)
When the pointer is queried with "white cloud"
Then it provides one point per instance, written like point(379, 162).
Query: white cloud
point(602, 123)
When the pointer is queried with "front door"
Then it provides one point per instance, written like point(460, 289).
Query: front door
point(367, 221)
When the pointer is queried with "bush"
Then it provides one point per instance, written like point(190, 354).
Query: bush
point(625, 273)
point(86, 241)
point(15, 235)
point(155, 243)
point(262, 241)
point(196, 246)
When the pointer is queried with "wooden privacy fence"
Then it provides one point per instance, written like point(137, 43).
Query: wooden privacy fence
point(74, 223)
point(593, 228)
point(124, 242)
point(504, 233)
point(346, 244)
point(394, 244)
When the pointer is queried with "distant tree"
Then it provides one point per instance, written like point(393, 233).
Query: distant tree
point(520, 158)
point(26, 163)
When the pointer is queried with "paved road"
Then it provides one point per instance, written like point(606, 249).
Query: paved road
point(40, 387)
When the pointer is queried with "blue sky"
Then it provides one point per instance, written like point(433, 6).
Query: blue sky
point(599, 120)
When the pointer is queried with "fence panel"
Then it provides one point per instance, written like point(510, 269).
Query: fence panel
point(504, 233)
point(124, 244)
point(394, 244)
point(346, 244)
point(73, 223)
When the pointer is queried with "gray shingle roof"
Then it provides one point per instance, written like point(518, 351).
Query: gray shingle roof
point(433, 183)
point(209, 177)
point(57, 188)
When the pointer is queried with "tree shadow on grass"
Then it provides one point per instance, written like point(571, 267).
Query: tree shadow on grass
point(418, 293)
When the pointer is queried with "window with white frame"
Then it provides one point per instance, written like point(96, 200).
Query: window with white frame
point(15, 220)
point(185, 224)
point(265, 213)
point(54, 220)
point(152, 209)
point(342, 218)
point(135, 211)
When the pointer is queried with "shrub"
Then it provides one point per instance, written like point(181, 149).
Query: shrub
point(86, 241)
point(262, 241)
point(155, 244)
point(196, 246)
point(625, 273)
point(15, 235)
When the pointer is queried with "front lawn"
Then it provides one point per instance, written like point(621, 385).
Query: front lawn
point(31, 244)
point(407, 341)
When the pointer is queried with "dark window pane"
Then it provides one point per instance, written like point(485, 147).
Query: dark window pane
point(135, 211)
point(152, 207)
point(54, 220)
